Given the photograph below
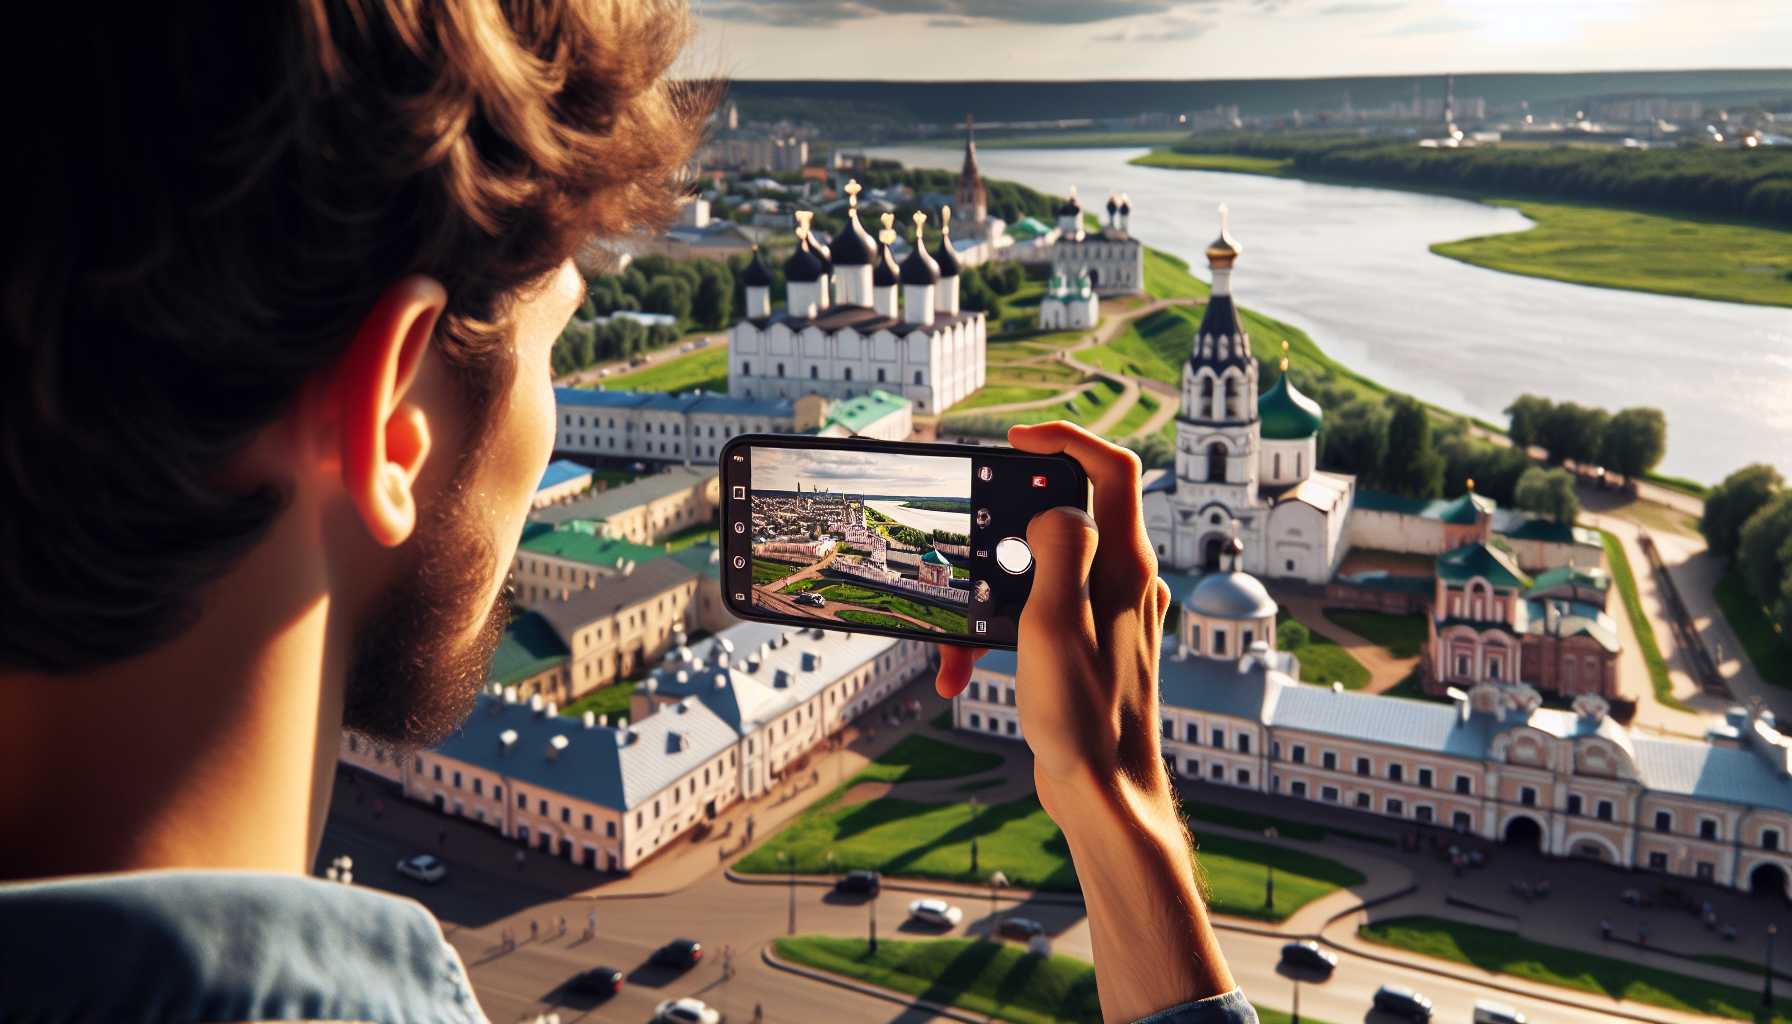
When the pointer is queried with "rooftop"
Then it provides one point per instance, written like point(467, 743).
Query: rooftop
point(561, 471)
point(529, 647)
point(577, 540)
point(614, 593)
point(859, 412)
point(601, 505)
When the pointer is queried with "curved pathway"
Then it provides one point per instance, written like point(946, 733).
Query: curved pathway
point(1385, 670)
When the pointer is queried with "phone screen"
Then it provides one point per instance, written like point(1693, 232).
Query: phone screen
point(900, 539)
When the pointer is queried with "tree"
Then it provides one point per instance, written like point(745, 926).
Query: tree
point(1355, 440)
point(1573, 432)
point(1634, 442)
point(974, 293)
point(1410, 466)
point(1524, 418)
point(712, 305)
point(1764, 553)
point(1156, 451)
point(669, 295)
point(1291, 635)
point(1731, 503)
point(1548, 492)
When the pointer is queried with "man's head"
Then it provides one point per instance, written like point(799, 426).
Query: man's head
point(302, 264)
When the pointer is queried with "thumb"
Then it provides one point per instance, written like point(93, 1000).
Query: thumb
point(1063, 542)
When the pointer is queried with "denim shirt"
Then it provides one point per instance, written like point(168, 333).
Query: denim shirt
point(172, 946)
point(175, 946)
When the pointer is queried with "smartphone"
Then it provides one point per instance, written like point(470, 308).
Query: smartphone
point(900, 539)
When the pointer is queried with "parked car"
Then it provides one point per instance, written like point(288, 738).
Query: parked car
point(861, 882)
point(598, 981)
point(686, 1011)
point(1489, 1012)
point(680, 953)
point(424, 867)
point(812, 600)
point(938, 913)
point(1308, 955)
point(1022, 928)
point(1403, 1002)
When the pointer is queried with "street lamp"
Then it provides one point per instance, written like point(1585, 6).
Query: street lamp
point(1269, 880)
point(997, 882)
point(1767, 984)
point(975, 807)
point(785, 859)
point(872, 903)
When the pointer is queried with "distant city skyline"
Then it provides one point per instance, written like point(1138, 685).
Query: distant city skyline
point(1214, 39)
point(850, 472)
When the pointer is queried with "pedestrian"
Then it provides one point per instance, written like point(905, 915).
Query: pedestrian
point(591, 924)
point(1605, 930)
point(758, 1014)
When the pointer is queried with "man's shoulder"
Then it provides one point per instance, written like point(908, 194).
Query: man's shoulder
point(225, 945)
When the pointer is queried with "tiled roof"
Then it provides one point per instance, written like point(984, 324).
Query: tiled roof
point(606, 766)
point(601, 505)
point(690, 402)
point(560, 471)
point(577, 541)
point(1484, 560)
point(612, 593)
point(703, 558)
point(1414, 724)
point(528, 648)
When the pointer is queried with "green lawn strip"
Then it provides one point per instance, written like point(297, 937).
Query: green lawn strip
point(1651, 252)
point(1639, 622)
point(1323, 661)
point(919, 758)
point(1199, 812)
point(1237, 163)
point(1168, 277)
point(1506, 953)
point(878, 619)
point(609, 700)
point(1766, 647)
point(943, 720)
point(1736, 963)
point(706, 368)
point(1234, 871)
point(1135, 417)
point(1002, 394)
point(695, 534)
point(995, 978)
point(766, 570)
point(848, 593)
point(1400, 635)
point(1678, 483)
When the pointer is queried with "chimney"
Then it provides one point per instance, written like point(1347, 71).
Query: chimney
point(506, 740)
point(603, 720)
point(555, 746)
point(510, 695)
point(589, 719)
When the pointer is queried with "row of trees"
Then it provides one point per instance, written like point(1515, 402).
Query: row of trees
point(1754, 184)
point(1748, 518)
point(586, 343)
point(1630, 443)
point(699, 293)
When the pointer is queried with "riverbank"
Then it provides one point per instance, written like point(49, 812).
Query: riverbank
point(1583, 243)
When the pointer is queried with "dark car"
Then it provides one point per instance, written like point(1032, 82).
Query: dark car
point(812, 600)
point(680, 953)
point(865, 883)
point(1022, 928)
point(1403, 1002)
point(1309, 956)
point(598, 981)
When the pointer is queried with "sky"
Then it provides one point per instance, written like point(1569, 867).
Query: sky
point(915, 476)
point(1206, 39)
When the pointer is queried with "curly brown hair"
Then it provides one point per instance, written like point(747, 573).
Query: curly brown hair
point(213, 194)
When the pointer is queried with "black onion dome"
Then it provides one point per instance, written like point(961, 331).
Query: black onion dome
point(803, 265)
point(1113, 207)
point(1071, 207)
point(853, 246)
point(1126, 207)
point(823, 252)
point(1221, 341)
point(946, 256)
point(884, 272)
point(757, 274)
point(920, 268)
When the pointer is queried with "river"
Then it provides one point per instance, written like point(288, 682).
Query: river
point(923, 519)
point(1352, 267)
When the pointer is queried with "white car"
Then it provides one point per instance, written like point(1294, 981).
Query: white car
point(424, 867)
point(1489, 1012)
point(938, 913)
point(686, 1011)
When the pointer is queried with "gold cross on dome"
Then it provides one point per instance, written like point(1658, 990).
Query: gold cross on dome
point(852, 190)
point(1222, 219)
point(920, 220)
point(945, 219)
point(1284, 355)
point(803, 217)
point(889, 220)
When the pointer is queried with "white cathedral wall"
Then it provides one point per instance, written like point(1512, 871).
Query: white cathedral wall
point(1287, 462)
point(1393, 531)
point(1299, 543)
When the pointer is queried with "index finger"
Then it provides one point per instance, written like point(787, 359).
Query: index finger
point(1113, 470)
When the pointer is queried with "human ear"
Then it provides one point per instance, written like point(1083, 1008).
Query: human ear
point(384, 438)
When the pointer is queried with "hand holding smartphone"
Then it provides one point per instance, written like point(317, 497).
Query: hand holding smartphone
point(924, 541)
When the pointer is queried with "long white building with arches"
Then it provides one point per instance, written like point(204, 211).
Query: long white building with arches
point(1490, 762)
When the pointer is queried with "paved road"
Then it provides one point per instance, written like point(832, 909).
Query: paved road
point(475, 907)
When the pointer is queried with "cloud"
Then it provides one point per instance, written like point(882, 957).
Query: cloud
point(1441, 25)
point(822, 13)
point(1362, 7)
point(1160, 30)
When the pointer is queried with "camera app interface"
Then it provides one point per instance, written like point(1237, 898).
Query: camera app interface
point(866, 538)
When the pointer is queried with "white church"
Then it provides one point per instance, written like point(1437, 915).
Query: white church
point(1069, 302)
point(1246, 465)
point(842, 332)
point(1113, 260)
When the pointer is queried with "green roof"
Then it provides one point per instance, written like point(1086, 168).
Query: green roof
point(699, 558)
point(934, 557)
point(1286, 414)
point(1027, 228)
point(528, 648)
point(1464, 511)
point(1483, 560)
point(577, 541)
point(1567, 575)
point(855, 414)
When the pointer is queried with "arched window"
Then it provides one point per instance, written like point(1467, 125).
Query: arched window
point(1207, 397)
point(1234, 407)
point(849, 373)
point(1216, 463)
point(814, 373)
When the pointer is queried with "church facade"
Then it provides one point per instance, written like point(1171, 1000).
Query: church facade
point(1113, 260)
point(1246, 466)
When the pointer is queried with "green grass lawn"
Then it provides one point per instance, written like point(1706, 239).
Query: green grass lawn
point(1650, 252)
point(1235, 162)
point(1323, 662)
point(1135, 417)
point(918, 758)
point(1084, 409)
point(609, 700)
point(1506, 953)
point(1640, 625)
point(766, 570)
point(706, 368)
point(848, 593)
point(1401, 635)
point(1002, 394)
point(1168, 277)
point(1765, 646)
point(877, 619)
point(697, 533)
